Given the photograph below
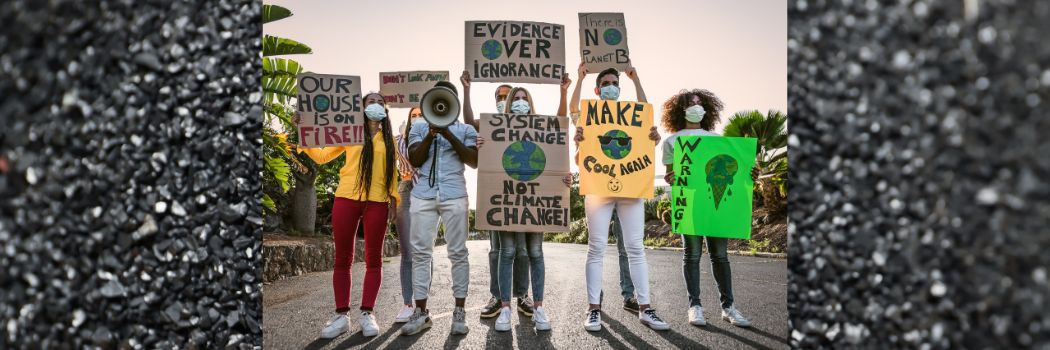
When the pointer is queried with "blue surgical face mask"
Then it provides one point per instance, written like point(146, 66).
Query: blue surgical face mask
point(519, 107)
point(610, 92)
point(501, 106)
point(375, 112)
point(694, 114)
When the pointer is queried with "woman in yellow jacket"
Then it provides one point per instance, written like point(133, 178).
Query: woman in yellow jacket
point(367, 195)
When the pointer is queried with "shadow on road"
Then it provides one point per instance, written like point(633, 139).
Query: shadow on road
point(767, 334)
point(680, 341)
point(529, 337)
point(753, 344)
point(378, 340)
point(619, 328)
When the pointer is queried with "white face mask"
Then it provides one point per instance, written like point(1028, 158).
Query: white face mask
point(375, 112)
point(610, 92)
point(520, 107)
point(501, 105)
point(694, 114)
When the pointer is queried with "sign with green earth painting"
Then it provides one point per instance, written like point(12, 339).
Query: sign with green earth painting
point(712, 186)
point(520, 171)
point(330, 110)
point(515, 51)
point(603, 41)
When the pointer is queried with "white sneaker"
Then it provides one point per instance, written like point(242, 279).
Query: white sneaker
point(734, 317)
point(459, 321)
point(696, 316)
point(419, 321)
point(649, 318)
point(503, 322)
point(404, 314)
point(336, 326)
point(594, 321)
point(369, 328)
point(539, 317)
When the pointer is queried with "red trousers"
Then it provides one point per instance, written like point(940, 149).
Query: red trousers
point(346, 215)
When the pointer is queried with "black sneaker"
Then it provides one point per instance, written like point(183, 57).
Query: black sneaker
point(525, 306)
point(630, 304)
point(492, 308)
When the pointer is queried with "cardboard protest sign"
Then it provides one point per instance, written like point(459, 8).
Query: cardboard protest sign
point(712, 186)
point(330, 110)
point(515, 52)
point(520, 172)
point(405, 89)
point(616, 156)
point(603, 41)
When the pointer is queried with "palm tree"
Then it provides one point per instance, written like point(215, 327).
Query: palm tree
point(279, 87)
point(771, 131)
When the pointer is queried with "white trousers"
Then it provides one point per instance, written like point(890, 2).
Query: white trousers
point(425, 215)
point(631, 212)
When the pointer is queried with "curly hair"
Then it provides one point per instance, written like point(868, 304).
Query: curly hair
point(674, 109)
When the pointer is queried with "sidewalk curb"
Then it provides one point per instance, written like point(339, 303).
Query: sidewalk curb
point(733, 252)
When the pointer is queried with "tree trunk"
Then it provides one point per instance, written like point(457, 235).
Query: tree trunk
point(304, 202)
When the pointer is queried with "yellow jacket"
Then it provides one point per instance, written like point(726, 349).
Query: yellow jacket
point(348, 175)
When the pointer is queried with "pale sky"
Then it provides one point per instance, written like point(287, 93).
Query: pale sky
point(735, 48)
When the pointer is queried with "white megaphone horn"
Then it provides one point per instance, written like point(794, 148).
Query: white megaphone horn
point(440, 106)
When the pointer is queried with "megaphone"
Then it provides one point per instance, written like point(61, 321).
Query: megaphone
point(440, 106)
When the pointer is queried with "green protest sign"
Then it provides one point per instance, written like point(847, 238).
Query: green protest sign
point(712, 186)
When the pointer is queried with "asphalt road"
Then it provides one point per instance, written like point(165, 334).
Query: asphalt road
point(295, 309)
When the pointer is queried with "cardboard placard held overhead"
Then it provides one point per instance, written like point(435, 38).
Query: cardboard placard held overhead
point(617, 158)
point(603, 41)
point(515, 51)
point(712, 186)
point(521, 169)
point(405, 89)
point(330, 110)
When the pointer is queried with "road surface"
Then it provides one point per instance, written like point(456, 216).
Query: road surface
point(295, 309)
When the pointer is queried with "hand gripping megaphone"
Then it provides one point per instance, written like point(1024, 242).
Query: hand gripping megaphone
point(440, 106)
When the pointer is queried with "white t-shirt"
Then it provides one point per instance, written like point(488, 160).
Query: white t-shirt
point(668, 143)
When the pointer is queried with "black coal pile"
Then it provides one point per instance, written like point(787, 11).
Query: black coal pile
point(919, 202)
point(129, 167)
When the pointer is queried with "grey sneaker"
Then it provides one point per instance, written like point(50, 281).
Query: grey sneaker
point(631, 304)
point(525, 306)
point(734, 317)
point(459, 321)
point(419, 321)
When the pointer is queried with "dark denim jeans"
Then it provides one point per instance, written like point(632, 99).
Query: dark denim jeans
point(521, 272)
point(626, 284)
point(512, 243)
point(716, 248)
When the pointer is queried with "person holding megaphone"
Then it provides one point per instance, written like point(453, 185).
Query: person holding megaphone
point(438, 149)
point(367, 196)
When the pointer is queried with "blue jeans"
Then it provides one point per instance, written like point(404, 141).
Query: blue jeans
point(534, 246)
point(521, 274)
point(716, 247)
point(626, 284)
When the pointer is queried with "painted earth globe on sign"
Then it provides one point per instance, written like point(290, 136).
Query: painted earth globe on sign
point(616, 144)
point(491, 49)
point(524, 161)
point(321, 103)
point(612, 36)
